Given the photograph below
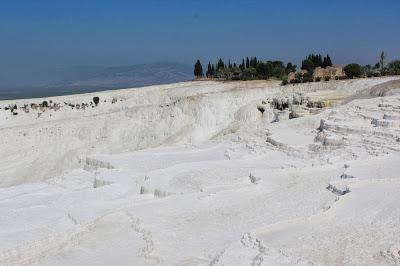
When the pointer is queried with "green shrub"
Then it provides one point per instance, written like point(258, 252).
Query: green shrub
point(307, 77)
point(317, 79)
point(327, 78)
point(394, 67)
point(377, 74)
point(96, 100)
point(307, 64)
point(299, 77)
point(353, 70)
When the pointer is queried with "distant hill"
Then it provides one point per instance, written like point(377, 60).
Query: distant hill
point(83, 79)
point(135, 76)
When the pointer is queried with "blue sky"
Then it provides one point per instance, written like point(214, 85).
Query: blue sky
point(38, 35)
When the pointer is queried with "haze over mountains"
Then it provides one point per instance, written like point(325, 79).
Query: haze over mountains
point(81, 79)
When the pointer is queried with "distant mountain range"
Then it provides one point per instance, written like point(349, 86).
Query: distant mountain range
point(136, 75)
point(92, 78)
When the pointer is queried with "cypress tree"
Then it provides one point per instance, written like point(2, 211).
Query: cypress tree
point(324, 63)
point(209, 70)
point(319, 60)
point(247, 62)
point(253, 62)
point(328, 61)
point(243, 64)
point(220, 64)
point(316, 60)
point(382, 58)
point(198, 69)
point(307, 64)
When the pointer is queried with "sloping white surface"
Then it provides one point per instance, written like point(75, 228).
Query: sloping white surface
point(215, 182)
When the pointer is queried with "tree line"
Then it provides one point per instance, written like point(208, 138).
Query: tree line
point(313, 61)
point(381, 68)
point(248, 69)
point(251, 68)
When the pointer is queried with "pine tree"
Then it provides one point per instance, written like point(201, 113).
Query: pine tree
point(198, 69)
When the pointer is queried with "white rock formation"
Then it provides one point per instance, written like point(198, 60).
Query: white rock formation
point(202, 173)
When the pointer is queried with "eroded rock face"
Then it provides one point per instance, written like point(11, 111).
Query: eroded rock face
point(316, 104)
point(292, 106)
point(281, 115)
point(145, 117)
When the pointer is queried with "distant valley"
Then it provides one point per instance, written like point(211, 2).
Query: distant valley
point(82, 79)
